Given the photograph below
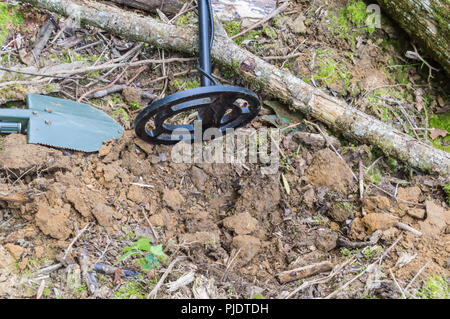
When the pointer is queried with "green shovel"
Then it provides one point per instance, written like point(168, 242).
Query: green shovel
point(60, 123)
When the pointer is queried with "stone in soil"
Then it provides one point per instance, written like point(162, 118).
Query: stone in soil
point(173, 199)
point(248, 247)
point(298, 25)
point(327, 169)
point(357, 229)
point(418, 213)
point(375, 204)
point(326, 239)
point(410, 194)
point(375, 221)
point(15, 250)
point(309, 198)
point(202, 237)
point(340, 212)
point(104, 215)
point(19, 156)
point(436, 219)
point(146, 147)
point(241, 224)
point(137, 194)
point(104, 150)
point(131, 95)
point(83, 200)
point(199, 178)
point(54, 221)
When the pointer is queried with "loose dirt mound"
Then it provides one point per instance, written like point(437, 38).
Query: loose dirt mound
point(236, 225)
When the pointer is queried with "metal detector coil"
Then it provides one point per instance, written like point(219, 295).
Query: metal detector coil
point(217, 106)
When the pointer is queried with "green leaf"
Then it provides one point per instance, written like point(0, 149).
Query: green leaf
point(126, 255)
point(158, 252)
point(143, 243)
point(148, 262)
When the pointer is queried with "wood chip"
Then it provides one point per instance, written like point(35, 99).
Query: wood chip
point(15, 197)
point(303, 272)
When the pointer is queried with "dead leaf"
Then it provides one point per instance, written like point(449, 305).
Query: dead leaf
point(419, 100)
point(435, 133)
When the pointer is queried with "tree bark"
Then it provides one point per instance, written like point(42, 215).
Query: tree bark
point(280, 83)
point(166, 6)
point(426, 22)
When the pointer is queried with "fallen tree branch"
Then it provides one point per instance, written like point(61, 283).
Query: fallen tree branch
point(280, 83)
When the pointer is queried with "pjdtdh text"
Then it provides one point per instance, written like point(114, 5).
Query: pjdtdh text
point(233, 309)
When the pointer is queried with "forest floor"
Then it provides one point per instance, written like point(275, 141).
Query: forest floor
point(79, 225)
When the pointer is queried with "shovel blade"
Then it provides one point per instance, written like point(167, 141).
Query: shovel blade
point(68, 124)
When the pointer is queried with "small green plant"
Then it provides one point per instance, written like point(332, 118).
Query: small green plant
point(375, 176)
point(80, 291)
point(135, 105)
point(370, 252)
point(436, 287)
point(257, 296)
point(346, 252)
point(46, 292)
point(121, 113)
point(151, 260)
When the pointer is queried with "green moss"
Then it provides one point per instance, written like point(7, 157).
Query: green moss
point(9, 15)
point(185, 84)
point(356, 12)
point(436, 287)
point(332, 72)
point(132, 290)
point(351, 21)
point(234, 28)
point(46, 292)
point(375, 176)
point(441, 121)
point(270, 32)
point(257, 296)
point(184, 18)
point(446, 190)
point(230, 71)
point(120, 112)
point(135, 105)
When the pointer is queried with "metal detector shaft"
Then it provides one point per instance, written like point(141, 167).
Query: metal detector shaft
point(204, 20)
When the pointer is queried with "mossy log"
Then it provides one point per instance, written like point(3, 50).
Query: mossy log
point(426, 22)
point(282, 84)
